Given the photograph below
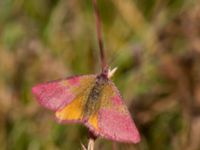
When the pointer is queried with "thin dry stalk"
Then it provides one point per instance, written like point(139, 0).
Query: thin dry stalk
point(91, 144)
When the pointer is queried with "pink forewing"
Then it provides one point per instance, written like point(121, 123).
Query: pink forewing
point(116, 126)
point(56, 94)
point(116, 100)
point(115, 121)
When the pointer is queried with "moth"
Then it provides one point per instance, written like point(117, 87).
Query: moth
point(92, 100)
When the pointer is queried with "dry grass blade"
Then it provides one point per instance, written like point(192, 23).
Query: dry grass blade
point(90, 144)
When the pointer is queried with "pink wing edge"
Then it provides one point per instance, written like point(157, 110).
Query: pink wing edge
point(121, 129)
point(53, 95)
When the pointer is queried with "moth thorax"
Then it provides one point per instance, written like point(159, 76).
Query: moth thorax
point(93, 101)
point(98, 87)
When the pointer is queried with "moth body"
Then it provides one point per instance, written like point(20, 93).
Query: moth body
point(94, 98)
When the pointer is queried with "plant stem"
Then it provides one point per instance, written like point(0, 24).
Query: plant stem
point(99, 37)
point(91, 144)
point(92, 139)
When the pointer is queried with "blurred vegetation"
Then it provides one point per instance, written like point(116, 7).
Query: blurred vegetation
point(155, 44)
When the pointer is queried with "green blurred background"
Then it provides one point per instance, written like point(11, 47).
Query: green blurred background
point(154, 43)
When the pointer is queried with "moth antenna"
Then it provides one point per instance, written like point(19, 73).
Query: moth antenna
point(111, 72)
